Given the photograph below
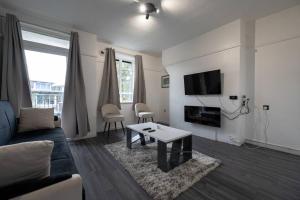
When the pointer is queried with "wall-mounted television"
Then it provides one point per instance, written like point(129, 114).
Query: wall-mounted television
point(210, 116)
point(205, 83)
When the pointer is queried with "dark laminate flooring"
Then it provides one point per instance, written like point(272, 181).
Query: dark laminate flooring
point(244, 174)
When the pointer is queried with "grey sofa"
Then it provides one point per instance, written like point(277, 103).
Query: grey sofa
point(63, 168)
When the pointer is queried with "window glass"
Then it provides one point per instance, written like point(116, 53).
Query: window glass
point(46, 65)
point(47, 78)
point(125, 71)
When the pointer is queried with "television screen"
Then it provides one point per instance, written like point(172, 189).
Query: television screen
point(210, 116)
point(206, 83)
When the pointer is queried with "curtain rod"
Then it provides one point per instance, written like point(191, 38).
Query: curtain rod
point(102, 52)
point(43, 27)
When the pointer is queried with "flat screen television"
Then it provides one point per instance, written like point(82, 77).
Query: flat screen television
point(205, 83)
point(210, 116)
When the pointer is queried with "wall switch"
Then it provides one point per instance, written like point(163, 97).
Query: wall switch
point(266, 107)
point(233, 97)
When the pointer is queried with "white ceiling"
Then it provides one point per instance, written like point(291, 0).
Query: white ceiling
point(120, 23)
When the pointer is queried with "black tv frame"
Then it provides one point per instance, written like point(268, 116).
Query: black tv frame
point(189, 77)
point(209, 116)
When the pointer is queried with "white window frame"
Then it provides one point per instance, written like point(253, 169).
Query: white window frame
point(44, 48)
point(129, 59)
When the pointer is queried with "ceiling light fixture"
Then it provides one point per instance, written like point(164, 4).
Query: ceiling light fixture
point(143, 8)
point(148, 8)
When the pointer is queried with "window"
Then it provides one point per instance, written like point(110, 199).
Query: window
point(46, 56)
point(125, 70)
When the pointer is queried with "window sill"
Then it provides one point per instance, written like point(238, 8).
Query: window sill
point(126, 103)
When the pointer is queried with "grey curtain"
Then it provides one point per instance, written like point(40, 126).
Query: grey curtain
point(109, 92)
point(74, 113)
point(2, 23)
point(139, 92)
point(15, 86)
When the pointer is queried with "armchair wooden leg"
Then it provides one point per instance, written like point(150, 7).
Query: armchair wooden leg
point(152, 119)
point(108, 129)
point(123, 127)
point(116, 126)
point(105, 127)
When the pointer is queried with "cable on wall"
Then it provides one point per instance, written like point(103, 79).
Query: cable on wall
point(224, 109)
point(242, 110)
point(216, 134)
point(267, 123)
point(203, 104)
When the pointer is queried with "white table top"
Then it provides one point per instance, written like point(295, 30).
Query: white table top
point(163, 133)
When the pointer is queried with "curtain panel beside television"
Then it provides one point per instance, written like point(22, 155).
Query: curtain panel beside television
point(109, 92)
point(139, 90)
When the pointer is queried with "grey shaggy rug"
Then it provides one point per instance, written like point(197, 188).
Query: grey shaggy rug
point(141, 163)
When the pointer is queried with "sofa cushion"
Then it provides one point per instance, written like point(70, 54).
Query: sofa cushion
point(7, 122)
point(61, 159)
point(5, 132)
point(36, 119)
point(63, 167)
point(25, 161)
point(56, 135)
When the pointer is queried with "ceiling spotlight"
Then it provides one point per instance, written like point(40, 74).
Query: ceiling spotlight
point(143, 8)
point(148, 8)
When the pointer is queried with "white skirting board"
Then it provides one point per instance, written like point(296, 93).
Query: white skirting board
point(275, 147)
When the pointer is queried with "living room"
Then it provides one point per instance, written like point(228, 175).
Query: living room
point(157, 99)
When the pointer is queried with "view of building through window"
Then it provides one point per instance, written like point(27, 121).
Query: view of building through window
point(125, 71)
point(47, 78)
point(46, 56)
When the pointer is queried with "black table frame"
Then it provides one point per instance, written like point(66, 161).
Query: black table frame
point(182, 145)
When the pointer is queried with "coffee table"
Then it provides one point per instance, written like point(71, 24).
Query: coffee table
point(181, 143)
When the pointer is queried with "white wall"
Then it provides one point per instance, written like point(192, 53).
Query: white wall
point(277, 78)
point(157, 97)
point(247, 73)
point(88, 50)
point(223, 48)
point(270, 76)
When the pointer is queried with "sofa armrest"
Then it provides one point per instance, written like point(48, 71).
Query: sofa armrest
point(68, 189)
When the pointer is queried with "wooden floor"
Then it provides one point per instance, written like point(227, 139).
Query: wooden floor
point(244, 174)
